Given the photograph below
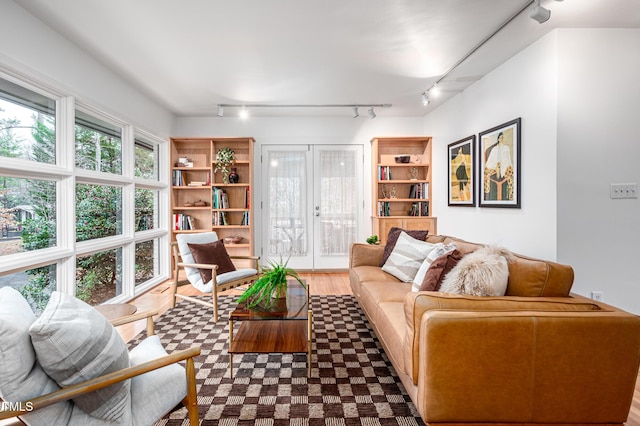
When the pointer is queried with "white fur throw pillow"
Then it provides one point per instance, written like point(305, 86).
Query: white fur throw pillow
point(485, 272)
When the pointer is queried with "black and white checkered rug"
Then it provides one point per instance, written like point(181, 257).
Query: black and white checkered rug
point(352, 383)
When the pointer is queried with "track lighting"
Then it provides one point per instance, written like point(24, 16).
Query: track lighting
point(244, 109)
point(539, 13)
point(425, 99)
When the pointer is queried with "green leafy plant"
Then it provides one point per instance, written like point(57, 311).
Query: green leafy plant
point(225, 159)
point(273, 281)
point(373, 239)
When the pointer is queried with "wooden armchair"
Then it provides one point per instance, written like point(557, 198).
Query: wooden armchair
point(147, 357)
point(184, 259)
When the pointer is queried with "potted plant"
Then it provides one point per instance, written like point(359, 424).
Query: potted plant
point(271, 285)
point(225, 158)
point(373, 240)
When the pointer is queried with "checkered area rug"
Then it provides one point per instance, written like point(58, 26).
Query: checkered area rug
point(352, 383)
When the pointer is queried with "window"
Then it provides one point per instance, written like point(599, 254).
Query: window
point(99, 276)
point(98, 144)
point(67, 213)
point(27, 124)
point(146, 209)
point(98, 211)
point(146, 159)
point(147, 264)
point(35, 285)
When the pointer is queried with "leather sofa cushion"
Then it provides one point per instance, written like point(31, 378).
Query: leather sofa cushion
point(391, 329)
point(416, 304)
point(374, 292)
point(534, 277)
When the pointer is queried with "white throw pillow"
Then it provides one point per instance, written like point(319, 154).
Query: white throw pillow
point(406, 257)
point(485, 272)
point(439, 249)
point(74, 343)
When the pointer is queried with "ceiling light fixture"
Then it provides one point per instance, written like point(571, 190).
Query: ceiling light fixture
point(539, 13)
point(220, 111)
point(244, 108)
point(425, 99)
point(487, 38)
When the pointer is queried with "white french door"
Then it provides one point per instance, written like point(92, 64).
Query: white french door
point(312, 205)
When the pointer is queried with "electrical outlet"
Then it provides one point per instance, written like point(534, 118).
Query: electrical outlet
point(596, 295)
point(624, 190)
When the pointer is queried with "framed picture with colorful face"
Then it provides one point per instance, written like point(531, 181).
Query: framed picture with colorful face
point(461, 160)
point(499, 165)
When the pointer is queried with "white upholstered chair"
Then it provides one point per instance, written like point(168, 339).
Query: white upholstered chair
point(183, 258)
point(71, 367)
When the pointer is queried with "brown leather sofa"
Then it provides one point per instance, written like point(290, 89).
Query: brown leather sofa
point(538, 355)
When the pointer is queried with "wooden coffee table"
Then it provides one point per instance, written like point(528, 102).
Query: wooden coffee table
point(285, 327)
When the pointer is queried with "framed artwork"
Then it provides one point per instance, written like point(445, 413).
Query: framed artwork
point(499, 165)
point(461, 160)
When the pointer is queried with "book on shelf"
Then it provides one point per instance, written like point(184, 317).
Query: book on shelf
point(419, 190)
point(220, 200)
point(247, 198)
point(384, 173)
point(183, 222)
point(419, 209)
point(197, 183)
point(384, 208)
point(245, 219)
point(220, 219)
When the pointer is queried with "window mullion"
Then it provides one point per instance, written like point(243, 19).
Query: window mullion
point(66, 200)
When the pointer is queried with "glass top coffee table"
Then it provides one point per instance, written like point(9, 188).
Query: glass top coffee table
point(284, 327)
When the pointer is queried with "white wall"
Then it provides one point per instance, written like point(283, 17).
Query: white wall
point(36, 51)
point(305, 130)
point(599, 144)
point(524, 86)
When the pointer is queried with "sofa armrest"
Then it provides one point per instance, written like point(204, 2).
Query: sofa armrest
point(527, 367)
point(365, 255)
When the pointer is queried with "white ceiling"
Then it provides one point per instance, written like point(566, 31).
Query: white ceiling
point(191, 55)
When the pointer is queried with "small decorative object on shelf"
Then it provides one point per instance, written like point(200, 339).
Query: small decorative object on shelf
point(384, 191)
point(271, 286)
point(392, 193)
point(232, 239)
point(233, 176)
point(373, 240)
point(414, 173)
point(200, 203)
point(184, 162)
point(225, 158)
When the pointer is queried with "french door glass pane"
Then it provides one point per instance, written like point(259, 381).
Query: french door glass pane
point(287, 204)
point(99, 276)
point(338, 201)
point(98, 211)
point(27, 124)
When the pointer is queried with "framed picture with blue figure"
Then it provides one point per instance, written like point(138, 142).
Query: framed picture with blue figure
point(461, 160)
point(499, 165)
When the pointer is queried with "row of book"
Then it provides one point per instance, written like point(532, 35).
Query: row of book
point(419, 209)
point(384, 208)
point(220, 199)
point(183, 222)
point(179, 178)
point(221, 219)
point(384, 173)
point(419, 190)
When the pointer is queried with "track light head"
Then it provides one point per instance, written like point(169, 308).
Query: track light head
point(539, 13)
point(220, 111)
point(372, 114)
point(355, 112)
point(425, 99)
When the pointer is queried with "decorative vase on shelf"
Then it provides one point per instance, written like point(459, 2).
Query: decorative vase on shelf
point(233, 176)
